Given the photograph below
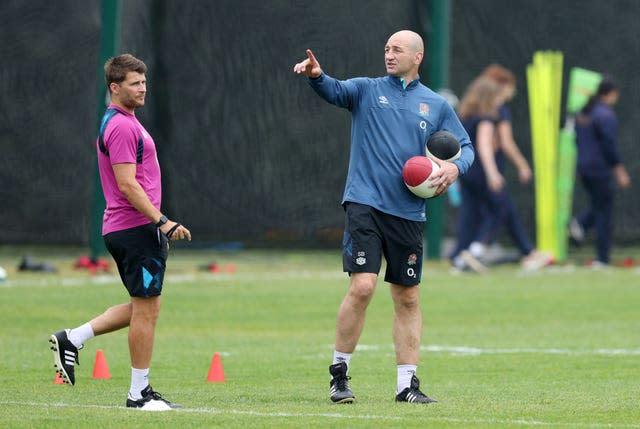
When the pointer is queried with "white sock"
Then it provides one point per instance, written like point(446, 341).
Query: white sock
point(139, 381)
point(79, 335)
point(405, 372)
point(341, 357)
point(477, 249)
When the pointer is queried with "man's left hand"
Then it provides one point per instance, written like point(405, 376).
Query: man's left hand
point(445, 176)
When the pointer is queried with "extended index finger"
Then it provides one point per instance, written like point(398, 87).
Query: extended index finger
point(311, 57)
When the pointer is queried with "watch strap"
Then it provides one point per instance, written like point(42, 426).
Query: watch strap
point(162, 221)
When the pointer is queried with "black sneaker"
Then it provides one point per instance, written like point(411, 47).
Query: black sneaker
point(413, 394)
point(339, 386)
point(151, 401)
point(65, 356)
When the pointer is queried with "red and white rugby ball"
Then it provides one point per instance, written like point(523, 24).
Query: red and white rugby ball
point(416, 174)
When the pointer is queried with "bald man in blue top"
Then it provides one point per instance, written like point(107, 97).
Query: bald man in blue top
point(392, 118)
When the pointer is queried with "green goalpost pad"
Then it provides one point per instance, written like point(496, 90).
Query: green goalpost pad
point(582, 84)
point(565, 184)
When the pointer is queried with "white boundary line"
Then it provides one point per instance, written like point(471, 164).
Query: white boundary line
point(423, 418)
point(100, 279)
point(476, 351)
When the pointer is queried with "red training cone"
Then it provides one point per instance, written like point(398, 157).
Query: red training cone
point(58, 379)
point(216, 372)
point(100, 367)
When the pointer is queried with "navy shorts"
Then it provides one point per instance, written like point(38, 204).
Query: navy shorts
point(370, 234)
point(141, 255)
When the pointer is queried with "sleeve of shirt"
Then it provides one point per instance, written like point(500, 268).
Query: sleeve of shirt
point(342, 93)
point(121, 140)
point(606, 127)
point(451, 122)
point(504, 114)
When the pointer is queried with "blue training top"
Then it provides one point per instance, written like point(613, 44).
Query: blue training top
point(596, 137)
point(504, 115)
point(390, 124)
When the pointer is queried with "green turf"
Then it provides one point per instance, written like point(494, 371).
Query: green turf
point(553, 349)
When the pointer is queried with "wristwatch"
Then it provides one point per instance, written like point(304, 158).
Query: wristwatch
point(162, 221)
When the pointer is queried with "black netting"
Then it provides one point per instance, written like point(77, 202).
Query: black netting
point(591, 34)
point(249, 153)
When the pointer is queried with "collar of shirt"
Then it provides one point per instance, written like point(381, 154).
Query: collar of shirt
point(402, 83)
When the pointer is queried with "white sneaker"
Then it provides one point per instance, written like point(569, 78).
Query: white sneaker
point(597, 265)
point(576, 231)
point(536, 260)
point(472, 262)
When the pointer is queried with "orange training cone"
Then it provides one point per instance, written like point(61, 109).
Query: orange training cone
point(58, 379)
point(216, 372)
point(100, 367)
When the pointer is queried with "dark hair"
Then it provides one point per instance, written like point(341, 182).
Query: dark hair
point(605, 87)
point(116, 68)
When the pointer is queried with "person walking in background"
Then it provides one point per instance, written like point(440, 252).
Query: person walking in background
point(135, 231)
point(501, 210)
point(506, 142)
point(478, 111)
point(598, 164)
point(392, 118)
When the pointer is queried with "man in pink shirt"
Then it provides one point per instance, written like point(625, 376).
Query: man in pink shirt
point(135, 232)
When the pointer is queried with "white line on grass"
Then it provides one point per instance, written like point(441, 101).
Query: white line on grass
point(101, 279)
point(518, 422)
point(464, 350)
point(476, 351)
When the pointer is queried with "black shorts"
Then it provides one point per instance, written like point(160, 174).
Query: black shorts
point(141, 255)
point(369, 234)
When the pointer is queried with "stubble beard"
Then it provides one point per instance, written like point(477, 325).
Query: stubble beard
point(133, 103)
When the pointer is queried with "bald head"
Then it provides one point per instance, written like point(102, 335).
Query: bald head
point(403, 54)
point(410, 39)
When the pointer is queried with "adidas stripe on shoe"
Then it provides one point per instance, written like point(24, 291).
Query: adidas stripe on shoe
point(65, 356)
point(412, 394)
point(339, 390)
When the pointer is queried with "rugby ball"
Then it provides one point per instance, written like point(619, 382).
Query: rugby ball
point(416, 174)
point(443, 145)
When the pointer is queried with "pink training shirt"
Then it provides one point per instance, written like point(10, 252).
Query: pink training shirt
point(121, 137)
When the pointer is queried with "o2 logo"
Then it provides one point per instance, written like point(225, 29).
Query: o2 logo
point(411, 272)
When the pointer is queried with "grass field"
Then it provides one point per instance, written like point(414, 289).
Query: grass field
point(558, 348)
